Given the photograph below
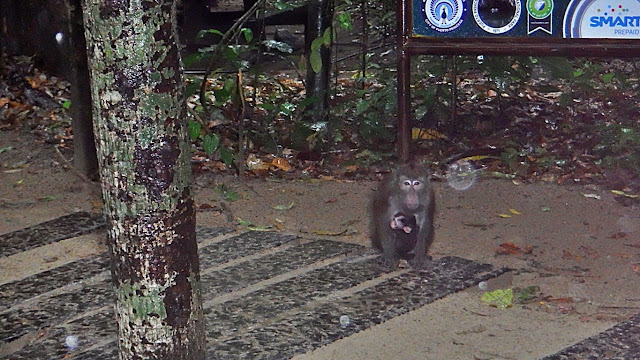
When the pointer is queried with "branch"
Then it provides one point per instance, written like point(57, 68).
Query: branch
point(231, 34)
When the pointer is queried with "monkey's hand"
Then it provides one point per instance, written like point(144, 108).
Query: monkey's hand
point(398, 222)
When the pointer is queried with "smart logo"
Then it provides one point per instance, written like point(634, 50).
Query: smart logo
point(604, 19)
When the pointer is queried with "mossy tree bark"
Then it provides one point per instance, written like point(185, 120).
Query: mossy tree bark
point(143, 150)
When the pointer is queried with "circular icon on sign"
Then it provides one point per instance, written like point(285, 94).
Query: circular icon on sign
point(443, 15)
point(539, 9)
point(497, 16)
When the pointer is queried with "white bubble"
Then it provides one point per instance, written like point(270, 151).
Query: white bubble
point(71, 342)
point(59, 37)
point(461, 175)
point(480, 59)
point(482, 285)
point(344, 320)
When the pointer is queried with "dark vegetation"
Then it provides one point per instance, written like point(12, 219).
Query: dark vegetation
point(525, 118)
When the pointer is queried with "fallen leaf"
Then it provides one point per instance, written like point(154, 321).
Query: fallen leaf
point(618, 235)
point(592, 196)
point(622, 193)
point(48, 198)
point(636, 268)
point(331, 201)
point(515, 212)
point(284, 206)
point(426, 134)
point(508, 249)
point(281, 164)
point(253, 227)
point(504, 215)
point(566, 254)
point(500, 298)
point(328, 233)
point(528, 294)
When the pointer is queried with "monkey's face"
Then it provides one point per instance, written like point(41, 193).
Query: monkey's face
point(411, 188)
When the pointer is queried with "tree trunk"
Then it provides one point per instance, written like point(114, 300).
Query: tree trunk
point(143, 149)
point(84, 149)
point(319, 17)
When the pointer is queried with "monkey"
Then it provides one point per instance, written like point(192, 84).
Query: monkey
point(405, 230)
point(402, 212)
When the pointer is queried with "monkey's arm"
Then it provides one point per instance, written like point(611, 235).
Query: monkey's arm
point(386, 237)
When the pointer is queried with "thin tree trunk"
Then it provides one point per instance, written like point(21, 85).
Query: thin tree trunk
point(139, 120)
point(84, 148)
point(320, 15)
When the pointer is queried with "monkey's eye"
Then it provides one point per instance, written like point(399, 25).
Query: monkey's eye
point(407, 183)
point(416, 183)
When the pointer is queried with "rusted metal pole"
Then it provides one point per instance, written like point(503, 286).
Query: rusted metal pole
point(404, 81)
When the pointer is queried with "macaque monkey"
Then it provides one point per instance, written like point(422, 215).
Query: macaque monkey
point(402, 216)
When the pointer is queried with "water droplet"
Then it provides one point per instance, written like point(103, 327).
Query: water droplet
point(344, 320)
point(461, 175)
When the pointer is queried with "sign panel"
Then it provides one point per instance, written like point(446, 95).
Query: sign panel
point(587, 19)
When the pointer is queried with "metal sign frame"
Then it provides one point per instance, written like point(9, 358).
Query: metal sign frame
point(410, 44)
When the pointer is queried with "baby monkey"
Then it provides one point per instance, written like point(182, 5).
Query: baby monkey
point(402, 216)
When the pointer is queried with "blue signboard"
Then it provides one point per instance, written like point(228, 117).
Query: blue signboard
point(603, 19)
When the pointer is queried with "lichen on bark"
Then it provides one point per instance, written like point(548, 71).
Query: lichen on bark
point(144, 156)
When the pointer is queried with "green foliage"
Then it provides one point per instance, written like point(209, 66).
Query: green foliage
point(314, 56)
point(210, 144)
point(344, 20)
point(619, 145)
point(227, 156)
point(194, 130)
point(277, 45)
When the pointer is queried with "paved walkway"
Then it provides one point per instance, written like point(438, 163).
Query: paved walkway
point(266, 296)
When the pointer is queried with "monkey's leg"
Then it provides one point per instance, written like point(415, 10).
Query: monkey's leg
point(424, 239)
point(390, 256)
